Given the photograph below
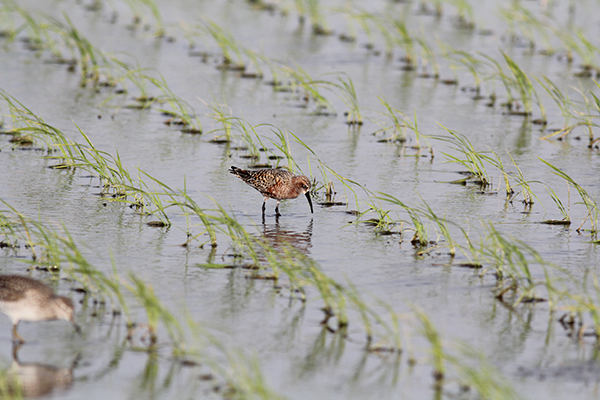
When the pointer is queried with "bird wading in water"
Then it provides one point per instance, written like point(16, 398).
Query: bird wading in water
point(278, 184)
point(27, 299)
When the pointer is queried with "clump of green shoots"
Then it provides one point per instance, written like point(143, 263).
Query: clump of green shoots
point(406, 41)
point(524, 87)
point(473, 161)
point(396, 123)
point(528, 194)
point(347, 93)
point(520, 18)
point(222, 115)
point(464, 17)
point(155, 312)
point(136, 6)
point(308, 89)
point(231, 49)
point(317, 21)
point(428, 57)
point(468, 62)
point(181, 112)
point(583, 112)
point(593, 213)
point(510, 259)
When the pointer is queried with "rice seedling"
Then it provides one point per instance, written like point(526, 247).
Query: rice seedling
point(222, 114)
point(519, 17)
point(136, 5)
point(496, 161)
point(249, 136)
point(467, 61)
point(428, 57)
point(510, 258)
point(347, 93)
point(383, 224)
point(181, 111)
point(561, 207)
point(348, 184)
point(521, 181)
point(181, 199)
point(473, 161)
point(507, 258)
point(571, 109)
point(353, 15)
point(39, 38)
point(593, 213)
point(563, 102)
point(302, 81)
point(231, 49)
point(7, 23)
point(587, 116)
point(582, 306)
point(442, 225)
point(53, 35)
point(26, 123)
point(88, 57)
point(524, 87)
point(284, 147)
point(406, 41)
point(575, 41)
point(241, 372)
point(371, 23)
point(465, 16)
point(300, 270)
point(245, 379)
point(256, 60)
point(302, 273)
point(421, 235)
point(392, 340)
point(301, 10)
point(138, 77)
point(437, 352)
point(504, 78)
point(475, 371)
point(396, 123)
point(317, 21)
point(155, 312)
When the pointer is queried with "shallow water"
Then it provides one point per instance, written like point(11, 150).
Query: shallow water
point(300, 358)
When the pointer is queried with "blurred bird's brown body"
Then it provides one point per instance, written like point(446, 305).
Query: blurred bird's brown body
point(27, 299)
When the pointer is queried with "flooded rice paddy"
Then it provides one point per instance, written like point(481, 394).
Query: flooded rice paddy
point(453, 153)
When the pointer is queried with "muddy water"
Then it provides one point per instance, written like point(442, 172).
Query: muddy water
point(299, 358)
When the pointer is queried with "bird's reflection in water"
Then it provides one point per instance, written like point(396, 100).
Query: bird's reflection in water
point(278, 236)
point(36, 379)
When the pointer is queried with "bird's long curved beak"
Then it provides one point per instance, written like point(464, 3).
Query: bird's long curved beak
point(309, 201)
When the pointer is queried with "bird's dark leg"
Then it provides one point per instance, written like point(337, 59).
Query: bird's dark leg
point(15, 350)
point(16, 337)
point(277, 209)
point(264, 206)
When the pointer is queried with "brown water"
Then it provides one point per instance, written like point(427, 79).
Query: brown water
point(299, 358)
